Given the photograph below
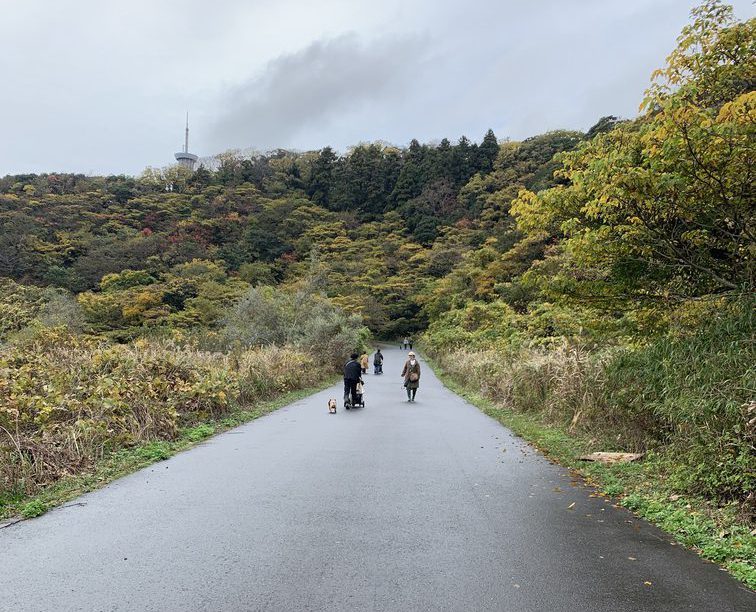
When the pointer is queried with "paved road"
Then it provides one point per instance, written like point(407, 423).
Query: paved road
point(425, 506)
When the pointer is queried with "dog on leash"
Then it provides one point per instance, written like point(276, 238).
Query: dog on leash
point(331, 406)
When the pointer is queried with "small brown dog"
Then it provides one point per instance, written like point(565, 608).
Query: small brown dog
point(331, 406)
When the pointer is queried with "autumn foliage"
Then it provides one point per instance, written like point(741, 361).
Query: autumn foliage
point(602, 280)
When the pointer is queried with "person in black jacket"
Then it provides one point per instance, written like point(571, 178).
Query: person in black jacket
point(352, 375)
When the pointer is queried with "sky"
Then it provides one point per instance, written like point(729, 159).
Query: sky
point(102, 87)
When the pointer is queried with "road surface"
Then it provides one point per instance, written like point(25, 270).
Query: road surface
point(424, 506)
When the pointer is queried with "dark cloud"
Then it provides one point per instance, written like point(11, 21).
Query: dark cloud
point(314, 87)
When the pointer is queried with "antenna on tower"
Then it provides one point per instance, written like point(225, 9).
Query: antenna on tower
point(186, 159)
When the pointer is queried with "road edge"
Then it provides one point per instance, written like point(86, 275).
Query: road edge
point(557, 446)
point(127, 461)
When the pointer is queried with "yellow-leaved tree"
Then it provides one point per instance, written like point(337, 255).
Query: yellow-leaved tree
point(663, 206)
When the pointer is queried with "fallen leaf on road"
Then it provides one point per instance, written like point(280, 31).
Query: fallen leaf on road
point(632, 558)
point(572, 505)
point(647, 583)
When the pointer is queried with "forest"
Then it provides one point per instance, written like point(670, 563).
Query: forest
point(599, 282)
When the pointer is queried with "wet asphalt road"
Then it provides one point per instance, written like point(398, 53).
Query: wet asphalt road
point(425, 506)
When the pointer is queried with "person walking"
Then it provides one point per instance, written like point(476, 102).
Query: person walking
point(411, 374)
point(352, 376)
point(364, 362)
point(378, 361)
point(405, 342)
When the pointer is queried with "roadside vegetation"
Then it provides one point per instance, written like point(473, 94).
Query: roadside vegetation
point(632, 326)
point(77, 408)
point(683, 402)
point(597, 284)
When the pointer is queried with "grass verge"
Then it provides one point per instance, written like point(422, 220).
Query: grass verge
point(717, 533)
point(17, 506)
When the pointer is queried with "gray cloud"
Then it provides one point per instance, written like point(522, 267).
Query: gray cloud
point(313, 88)
point(102, 87)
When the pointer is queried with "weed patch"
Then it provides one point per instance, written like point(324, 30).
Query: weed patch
point(33, 509)
point(195, 434)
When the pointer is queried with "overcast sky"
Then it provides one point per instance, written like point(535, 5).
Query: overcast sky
point(99, 86)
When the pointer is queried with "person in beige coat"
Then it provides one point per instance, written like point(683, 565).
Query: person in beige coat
point(411, 374)
point(364, 362)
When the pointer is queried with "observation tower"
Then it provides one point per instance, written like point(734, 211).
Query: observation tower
point(185, 158)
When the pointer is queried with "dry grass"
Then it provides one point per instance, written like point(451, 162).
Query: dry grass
point(566, 385)
point(67, 401)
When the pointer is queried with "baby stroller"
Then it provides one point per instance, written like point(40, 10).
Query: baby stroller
point(378, 368)
point(360, 403)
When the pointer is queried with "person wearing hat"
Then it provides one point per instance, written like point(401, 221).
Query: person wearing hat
point(411, 374)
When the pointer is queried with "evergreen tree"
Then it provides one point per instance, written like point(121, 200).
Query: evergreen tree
point(410, 181)
point(487, 152)
point(321, 177)
point(462, 161)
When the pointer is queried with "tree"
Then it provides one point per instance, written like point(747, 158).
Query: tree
point(321, 177)
point(411, 178)
point(487, 152)
point(201, 177)
point(463, 156)
point(605, 124)
point(663, 206)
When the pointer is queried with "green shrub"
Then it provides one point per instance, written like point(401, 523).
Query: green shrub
point(268, 316)
point(697, 393)
point(23, 306)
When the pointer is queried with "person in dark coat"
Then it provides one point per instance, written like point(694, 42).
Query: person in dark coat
point(411, 374)
point(378, 361)
point(352, 376)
